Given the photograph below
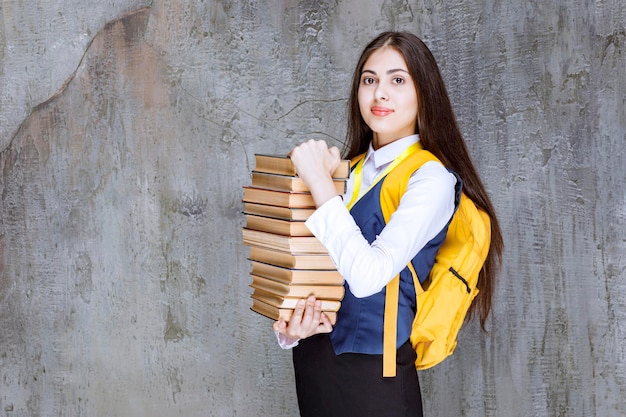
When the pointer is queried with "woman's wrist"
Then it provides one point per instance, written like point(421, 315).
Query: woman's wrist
point(322, 190)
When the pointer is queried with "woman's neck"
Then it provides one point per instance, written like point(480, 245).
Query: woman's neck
point(378, 141)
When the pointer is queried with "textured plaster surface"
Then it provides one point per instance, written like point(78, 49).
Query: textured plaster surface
point(127, 130)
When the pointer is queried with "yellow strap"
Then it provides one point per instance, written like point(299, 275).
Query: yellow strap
point(391, 321)
point(390, 329)
point(357, 173)
point(416, 281)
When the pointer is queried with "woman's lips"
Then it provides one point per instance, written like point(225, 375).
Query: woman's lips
point(381, 111)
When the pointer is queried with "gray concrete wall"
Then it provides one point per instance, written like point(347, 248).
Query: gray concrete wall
point(127, 130)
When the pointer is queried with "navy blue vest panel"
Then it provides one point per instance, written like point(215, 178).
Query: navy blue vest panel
point(359, 327)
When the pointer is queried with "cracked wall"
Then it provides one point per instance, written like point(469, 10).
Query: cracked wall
point(128, 129)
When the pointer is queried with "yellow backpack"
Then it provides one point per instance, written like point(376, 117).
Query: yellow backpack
point(450, 288)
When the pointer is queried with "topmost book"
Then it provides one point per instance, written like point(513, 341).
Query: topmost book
point(280, 164)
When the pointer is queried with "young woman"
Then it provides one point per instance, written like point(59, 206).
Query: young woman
point(398, 103)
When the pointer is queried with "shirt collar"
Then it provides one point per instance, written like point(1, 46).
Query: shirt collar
point(385, 155)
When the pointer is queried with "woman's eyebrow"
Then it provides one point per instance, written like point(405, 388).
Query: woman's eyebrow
point(391, 71)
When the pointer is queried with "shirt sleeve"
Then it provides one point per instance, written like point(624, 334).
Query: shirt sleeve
point(285, 342)
point(424, 210)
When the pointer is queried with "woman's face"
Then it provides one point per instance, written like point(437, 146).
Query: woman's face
point(387, 97)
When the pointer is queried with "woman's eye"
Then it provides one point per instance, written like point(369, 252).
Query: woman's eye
point(398, 80)
point(368, 80)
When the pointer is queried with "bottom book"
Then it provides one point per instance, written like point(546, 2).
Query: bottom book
point(276, 313)
point(280, 301)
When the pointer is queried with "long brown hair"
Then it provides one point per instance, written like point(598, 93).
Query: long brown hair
point(439, 134)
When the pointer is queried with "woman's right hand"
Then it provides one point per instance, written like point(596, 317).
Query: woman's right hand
point(315, 163)
point(306, 320)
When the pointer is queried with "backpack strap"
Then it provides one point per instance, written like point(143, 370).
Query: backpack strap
point(394, 187)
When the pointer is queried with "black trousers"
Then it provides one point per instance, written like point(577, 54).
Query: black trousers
point(351, 384)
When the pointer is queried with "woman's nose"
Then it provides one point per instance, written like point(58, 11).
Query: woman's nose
point(380, 93)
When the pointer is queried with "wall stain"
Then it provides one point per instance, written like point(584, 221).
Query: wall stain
point(191, 206)
point(174, 332)
point(83, 271)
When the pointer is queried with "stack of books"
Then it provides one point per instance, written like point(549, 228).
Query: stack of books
point(288, 262)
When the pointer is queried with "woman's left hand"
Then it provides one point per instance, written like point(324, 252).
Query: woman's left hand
point(306, 320)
